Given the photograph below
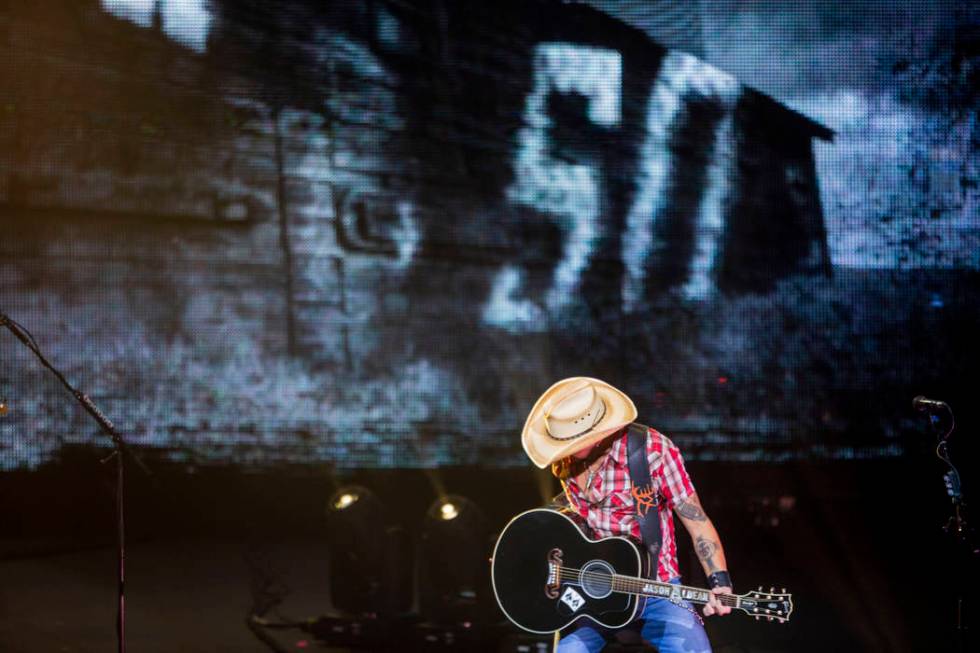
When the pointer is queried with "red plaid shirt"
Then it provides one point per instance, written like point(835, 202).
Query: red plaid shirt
point(608, 507)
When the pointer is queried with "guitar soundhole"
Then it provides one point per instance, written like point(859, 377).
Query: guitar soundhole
point(597, 579)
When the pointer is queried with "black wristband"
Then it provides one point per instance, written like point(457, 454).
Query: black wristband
point(720, 579)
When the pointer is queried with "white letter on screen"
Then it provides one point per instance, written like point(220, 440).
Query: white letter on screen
point(570, 192)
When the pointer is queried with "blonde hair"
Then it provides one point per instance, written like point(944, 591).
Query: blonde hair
point(562, 468)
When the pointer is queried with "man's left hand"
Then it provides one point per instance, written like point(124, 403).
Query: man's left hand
point(714, 606)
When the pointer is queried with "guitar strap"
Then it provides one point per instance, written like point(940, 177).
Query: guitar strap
point(645, 498)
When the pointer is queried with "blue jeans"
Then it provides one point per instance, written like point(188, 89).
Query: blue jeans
point(665, 625)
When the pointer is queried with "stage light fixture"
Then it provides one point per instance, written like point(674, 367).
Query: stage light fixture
point(367, 555)
point(453, 569)
point(448, 510)
point(344, 499)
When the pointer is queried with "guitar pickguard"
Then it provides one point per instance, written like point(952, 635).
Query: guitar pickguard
point(572, 599)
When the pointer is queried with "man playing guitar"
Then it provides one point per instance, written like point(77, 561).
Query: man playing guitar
point(580, 428)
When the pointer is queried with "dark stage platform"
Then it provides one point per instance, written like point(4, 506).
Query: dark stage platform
point(184, 594)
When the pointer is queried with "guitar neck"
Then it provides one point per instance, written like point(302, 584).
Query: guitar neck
point(771, 605)
point(659, 589)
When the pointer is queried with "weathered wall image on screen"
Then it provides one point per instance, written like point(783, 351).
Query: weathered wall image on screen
point(371, 233)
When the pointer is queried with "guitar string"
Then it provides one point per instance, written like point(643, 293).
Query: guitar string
point(635, 582)
point(635, 586)
point(638, 591)
point(628, 584)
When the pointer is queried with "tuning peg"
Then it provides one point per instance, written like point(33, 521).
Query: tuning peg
point(757, 617)
point(772, 590)
point(760, 588)
point(783, 590)
point(769, 618)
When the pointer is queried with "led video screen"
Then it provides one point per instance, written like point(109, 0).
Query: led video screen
point(370, 234)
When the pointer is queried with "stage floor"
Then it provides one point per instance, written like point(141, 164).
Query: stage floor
point(188, 595)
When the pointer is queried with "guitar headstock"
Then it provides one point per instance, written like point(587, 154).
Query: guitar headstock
point(771, 605)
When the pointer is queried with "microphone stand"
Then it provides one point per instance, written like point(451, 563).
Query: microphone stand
point(956, 525)
point(121, 449)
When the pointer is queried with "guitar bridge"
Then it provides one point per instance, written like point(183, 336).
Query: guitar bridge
point(554, 574)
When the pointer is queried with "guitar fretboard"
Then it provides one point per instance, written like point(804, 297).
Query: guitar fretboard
point(659, 589)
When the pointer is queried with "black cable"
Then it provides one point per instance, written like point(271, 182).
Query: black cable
point(267, 593)
point(280, 625)
point(942, 449)
point(264, 637)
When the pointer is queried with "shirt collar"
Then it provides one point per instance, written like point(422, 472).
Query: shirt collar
point(615, 456)
point(617, 452)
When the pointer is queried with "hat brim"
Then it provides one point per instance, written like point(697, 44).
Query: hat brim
point(543, 449)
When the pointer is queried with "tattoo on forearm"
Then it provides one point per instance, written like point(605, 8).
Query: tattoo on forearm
point(691, 509)
point(706, 550)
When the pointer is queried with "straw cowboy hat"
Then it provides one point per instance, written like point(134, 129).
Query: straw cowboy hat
point(571, 415)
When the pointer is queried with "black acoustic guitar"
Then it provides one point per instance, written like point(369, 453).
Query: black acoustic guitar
point(546, 574)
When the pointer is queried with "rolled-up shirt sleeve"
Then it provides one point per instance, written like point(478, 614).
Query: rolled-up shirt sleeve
point(667, 465)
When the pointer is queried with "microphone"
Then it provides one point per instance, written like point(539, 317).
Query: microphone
point(931, 405)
